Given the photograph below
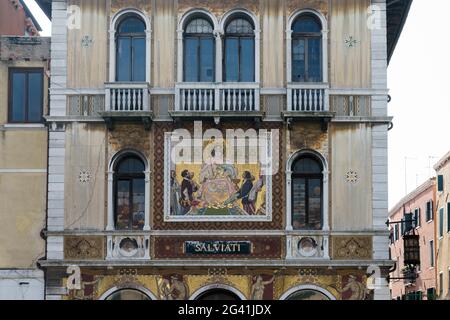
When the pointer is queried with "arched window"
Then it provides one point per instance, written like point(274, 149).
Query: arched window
point(307, 295)
point(199, 51)
point(129, 191)
point(128, 294)
point(307, 49)
point(130, 50)
point(239, 59)
point(307, 193)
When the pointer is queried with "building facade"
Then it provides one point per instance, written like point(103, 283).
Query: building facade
point(443, 227)
point(24, 82)
point(135, 213)
point(420, 282)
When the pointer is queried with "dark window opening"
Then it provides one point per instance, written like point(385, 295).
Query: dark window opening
point(307, 194)
point(129, 191)
point(26, 95)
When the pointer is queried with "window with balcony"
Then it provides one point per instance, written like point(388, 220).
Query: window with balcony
point(199, 51)
point(239, 51)
point(129, 193)
point(307, 49)
point(307, 193)
point(131, 50)
point(26, 89)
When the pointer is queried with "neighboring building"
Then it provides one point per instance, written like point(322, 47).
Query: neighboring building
point(16, 19)
point(310, 73)
point(24, 82)
point(420, 203)
point(443, 227)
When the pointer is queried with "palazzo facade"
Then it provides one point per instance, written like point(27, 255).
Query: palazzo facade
point(304, 80)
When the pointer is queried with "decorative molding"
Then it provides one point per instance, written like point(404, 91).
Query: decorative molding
point(351, 248)
point(84, 248)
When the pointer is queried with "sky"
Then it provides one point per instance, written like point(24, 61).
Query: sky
point(418, 78)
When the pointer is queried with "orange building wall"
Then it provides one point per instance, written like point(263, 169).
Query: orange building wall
point(427, 274)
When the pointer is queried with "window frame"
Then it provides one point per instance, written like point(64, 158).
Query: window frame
point(127, 177)
point(306, 37)
point(307, 177)
point(27, 71)
point(198, 37)
point(239, 37)
point(131, 36)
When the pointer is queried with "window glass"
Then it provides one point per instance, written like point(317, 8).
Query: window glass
point(314, 60)
point(207, 60)
point(139, 59)
point(131, 165)
point(132, 25)
point(307, 183)
point(307, 24)
point(26, 95)
point(239, 26)
point(199, 26)
point(247, 60)
point(191, 60)
point(35, 98)
point(298, 60)
point(232, 59)
point(18, 97)
point(124, 59)
point(123, 204)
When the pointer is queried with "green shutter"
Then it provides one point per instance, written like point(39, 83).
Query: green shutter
point(448, 219)
point(440, 183)
point(441, 222)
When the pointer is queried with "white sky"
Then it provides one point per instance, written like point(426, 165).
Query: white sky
point(419, 84)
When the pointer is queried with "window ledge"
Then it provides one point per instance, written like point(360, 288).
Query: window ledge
point(10, 126)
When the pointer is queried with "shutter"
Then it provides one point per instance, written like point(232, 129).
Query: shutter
point(441, 222)
point(448, 220)
point(440, 183)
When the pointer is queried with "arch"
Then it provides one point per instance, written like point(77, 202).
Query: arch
point(194, 12)
point(305, 152)
point(289, 25)
point(242, 12)
point(114, 23)
point(126, 152)
point(110, 203)
point(303, 287)
point(136, 287)
point(292, 158)
point(210, 287)
point(313, 12)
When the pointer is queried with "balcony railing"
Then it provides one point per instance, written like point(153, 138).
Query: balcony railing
point(127, 97)
point(232, 97)
point(311, 98)
point(351, 105)
point(85, 105)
